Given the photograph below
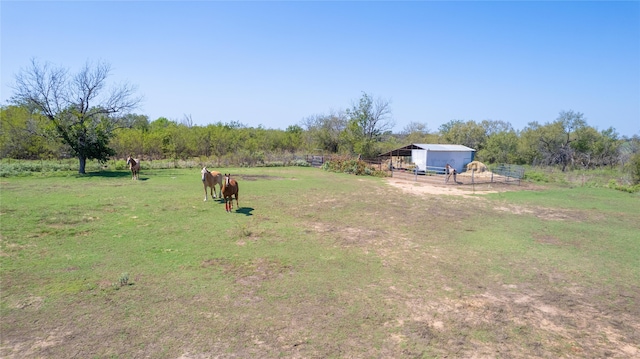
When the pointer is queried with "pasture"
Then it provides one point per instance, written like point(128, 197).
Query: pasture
point(314, 264)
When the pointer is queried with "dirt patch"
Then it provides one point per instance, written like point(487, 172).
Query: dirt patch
point(32, 302)
point(259, 177)
point(251, 272)
point(499, 314)
point(548, 239)
point(419, 188)
point(548, 214)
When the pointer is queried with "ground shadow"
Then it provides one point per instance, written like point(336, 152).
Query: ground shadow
point(108, 174)
point(242, 210)
point(245, 210)
point(112, 174)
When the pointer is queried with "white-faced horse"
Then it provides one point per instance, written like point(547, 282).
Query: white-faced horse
point(211, 179)
point(134, 166)
point(229, 189)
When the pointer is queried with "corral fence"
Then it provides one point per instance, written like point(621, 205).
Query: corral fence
point(502, 173)
point(315, 160)
point(319, 160)
point(509, 174)
point(374, 163)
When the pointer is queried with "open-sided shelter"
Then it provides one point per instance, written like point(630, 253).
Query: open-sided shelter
point(424, 156)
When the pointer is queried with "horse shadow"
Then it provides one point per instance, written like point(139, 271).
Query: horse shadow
point(113, 174)
point(245, 210)
point(109, 174)
point(242, 210)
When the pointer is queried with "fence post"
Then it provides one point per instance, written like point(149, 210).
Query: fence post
point(473, 183)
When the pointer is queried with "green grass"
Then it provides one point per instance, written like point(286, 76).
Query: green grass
point(312, 264)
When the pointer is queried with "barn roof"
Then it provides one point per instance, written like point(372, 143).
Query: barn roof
point(406, 150)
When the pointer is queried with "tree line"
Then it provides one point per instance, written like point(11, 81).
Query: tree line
point(56, 115)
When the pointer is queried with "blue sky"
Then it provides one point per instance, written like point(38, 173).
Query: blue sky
point(275, 63)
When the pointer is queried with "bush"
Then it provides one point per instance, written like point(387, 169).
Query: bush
point(634, 168)
point(535, 176)
point(631, 189)
point(16, 168)
point(12, 168)
point(351, 166)
point(300, 163)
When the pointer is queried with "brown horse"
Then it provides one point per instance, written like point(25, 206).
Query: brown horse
point(229, 189)
point(211, 179)
point(134, 166)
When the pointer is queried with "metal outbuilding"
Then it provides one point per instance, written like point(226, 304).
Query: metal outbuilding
point(435, 156)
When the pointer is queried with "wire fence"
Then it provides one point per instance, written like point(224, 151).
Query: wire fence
point(510, 174)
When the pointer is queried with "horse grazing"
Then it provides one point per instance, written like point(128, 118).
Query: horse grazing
point(229, 189)
point(134, 166)
point(211, 179)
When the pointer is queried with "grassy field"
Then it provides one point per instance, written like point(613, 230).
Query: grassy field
point(314, 265)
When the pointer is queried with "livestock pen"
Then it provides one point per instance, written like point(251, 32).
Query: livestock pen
point(509, 174)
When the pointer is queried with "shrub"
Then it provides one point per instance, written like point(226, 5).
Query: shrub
point(535, 176)
point(631, 189)
point(351, 166)
point(124, 279)
point(300, 163)
point(634, 168)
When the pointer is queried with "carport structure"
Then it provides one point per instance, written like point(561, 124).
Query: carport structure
point(431, 158)
point(426, 162)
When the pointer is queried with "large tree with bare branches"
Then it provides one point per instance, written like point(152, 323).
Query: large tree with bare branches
point(369, 121)
point(82, 111)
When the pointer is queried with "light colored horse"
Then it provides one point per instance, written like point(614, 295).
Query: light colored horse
point(476, 166)
point(450, 171)
point(134, 166)
point(229, 189)
point(211, 179)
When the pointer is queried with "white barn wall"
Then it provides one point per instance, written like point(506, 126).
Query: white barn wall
point(435, 155)
point(457, 160)
point(419, 158)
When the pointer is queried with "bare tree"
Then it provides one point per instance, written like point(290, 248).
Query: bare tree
point(369, 121)
point(324, 130)
point(187, 121)
point(82, 110)
point(556, 138)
